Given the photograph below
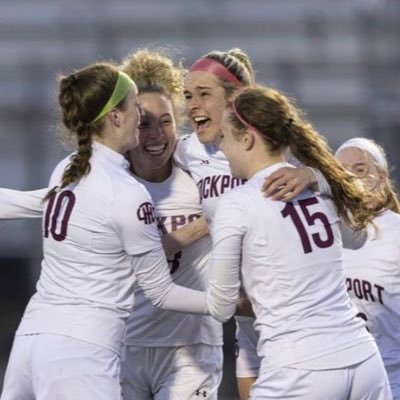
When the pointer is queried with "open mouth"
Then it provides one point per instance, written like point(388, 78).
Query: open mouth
point(201, 123)
point(155, 149)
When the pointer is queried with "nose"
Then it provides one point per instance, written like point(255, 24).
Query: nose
point(155, 131)
point(192, 103)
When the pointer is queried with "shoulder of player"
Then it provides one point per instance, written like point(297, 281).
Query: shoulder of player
point(181, 174)
point(60, 168)
point(122, 189)
point(185, 137)
point(129, 186)
point(184, 141)
point(191, 146)
point(251, 198)
point(240, 195)
point(389, 220)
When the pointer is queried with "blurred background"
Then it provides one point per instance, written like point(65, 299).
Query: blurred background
point(339, 59)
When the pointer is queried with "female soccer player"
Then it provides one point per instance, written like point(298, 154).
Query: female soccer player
point(373, 272)
point(99, 228)
point(168, 355)
point(162, 349)
point(288, 256)
point(211, 81)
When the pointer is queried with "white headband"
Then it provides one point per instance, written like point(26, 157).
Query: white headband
point(370, 147)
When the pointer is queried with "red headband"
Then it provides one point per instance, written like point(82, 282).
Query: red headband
point(241, 119)
point(253, 128)
point(215, 68)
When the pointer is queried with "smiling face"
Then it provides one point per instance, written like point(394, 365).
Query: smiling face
point(205, 103)
point(151, 159)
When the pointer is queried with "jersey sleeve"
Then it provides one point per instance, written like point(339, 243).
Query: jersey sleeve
point(180, 152)
point(224, 279)
point(154, 277)
point(21, 204)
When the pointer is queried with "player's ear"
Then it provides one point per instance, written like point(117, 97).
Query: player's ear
point(115, 117)
point(248, 139)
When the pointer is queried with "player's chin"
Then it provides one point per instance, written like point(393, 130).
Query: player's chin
point(207, 136)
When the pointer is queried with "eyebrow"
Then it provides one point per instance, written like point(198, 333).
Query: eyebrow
point(198, 88)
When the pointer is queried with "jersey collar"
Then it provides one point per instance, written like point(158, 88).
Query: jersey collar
point(269, 170)
point(99, 150)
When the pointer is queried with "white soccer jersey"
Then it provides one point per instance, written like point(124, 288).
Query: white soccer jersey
point(90, 231)
point(292, 272)
point(209, 168)
point(373, 282)
point(176, 201)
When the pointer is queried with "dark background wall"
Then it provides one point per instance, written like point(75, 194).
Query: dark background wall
point(340, 59)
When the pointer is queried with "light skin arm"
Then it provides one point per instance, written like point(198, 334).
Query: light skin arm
point(286, 183)
point(177, 240)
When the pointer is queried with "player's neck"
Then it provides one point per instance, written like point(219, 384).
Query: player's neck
point(261, 161)
point(155, 175)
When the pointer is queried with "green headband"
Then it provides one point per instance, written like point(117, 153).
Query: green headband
point(123, 86)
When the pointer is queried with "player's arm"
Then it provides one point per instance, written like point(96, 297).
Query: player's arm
point(175, 241)
point(286, 183)
point(153, 275)
point(224, 275)
point(141, 240)
point(19, 204)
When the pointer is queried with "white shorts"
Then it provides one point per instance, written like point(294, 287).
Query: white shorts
point(247, 360)
point(171, 373)
point(364, 381)
point(49, 367)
